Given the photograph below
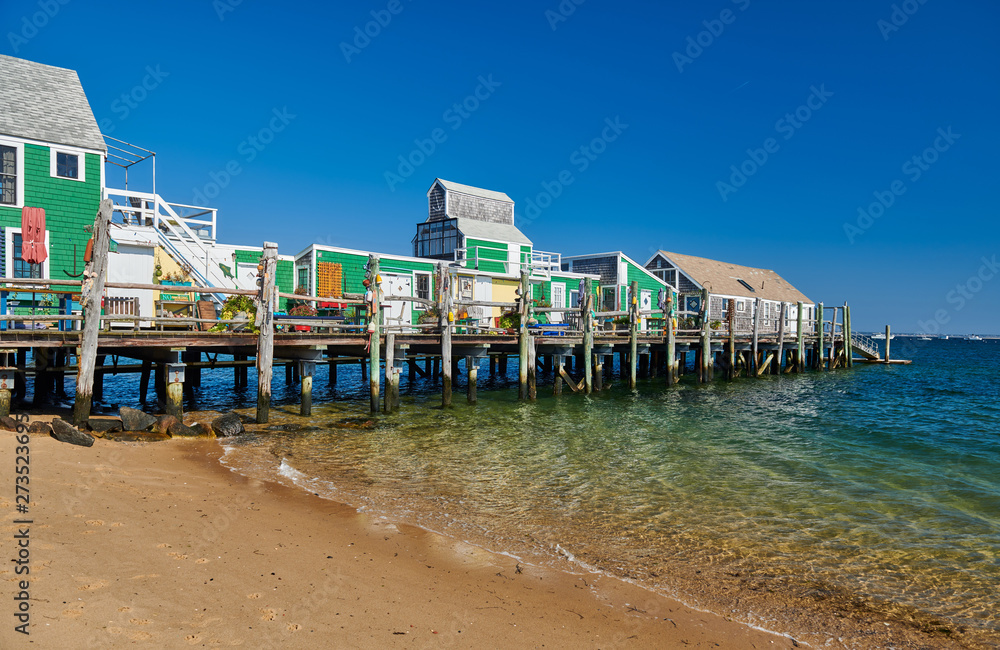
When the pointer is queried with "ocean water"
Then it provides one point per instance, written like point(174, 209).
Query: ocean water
point(876, 488)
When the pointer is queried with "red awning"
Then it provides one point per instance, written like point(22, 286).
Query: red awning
point(33, 235)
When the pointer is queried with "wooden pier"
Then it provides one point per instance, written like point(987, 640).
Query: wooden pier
point(650, 343)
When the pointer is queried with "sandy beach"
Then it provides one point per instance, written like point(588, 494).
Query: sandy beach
point(159, 545)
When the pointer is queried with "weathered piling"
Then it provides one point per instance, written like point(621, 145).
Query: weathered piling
point(888, 342)
point(472, 375)
point(820, 337)
point(522, 338)
point(532, 370)
point(668, 320)
point(848, 337)
point(731, 343)
point(447, 318)
point(598, 372)
point(707, 364)
point(175, 388)
point(781, 336)
point(264, 321)
point(391, 374)
point(588, 335)
point(91, 293)
point(557, 382)
point(633, 332)
point(754, 355)
point(800, 334)
point(374, 333)
point(833, 340)
point(306, 371)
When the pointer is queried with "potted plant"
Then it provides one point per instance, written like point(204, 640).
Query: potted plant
point(431, 316)
point(510, 321)
point(302, 309)
point(234, 306)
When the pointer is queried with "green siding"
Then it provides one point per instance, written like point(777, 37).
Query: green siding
point(284, 276)
point(353, 265)
point(489, 250)
point(69, 206)
point(646, 283)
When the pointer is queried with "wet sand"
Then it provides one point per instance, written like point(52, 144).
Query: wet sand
point(159, 545)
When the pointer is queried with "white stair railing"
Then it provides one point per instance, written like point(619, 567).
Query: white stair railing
point(866, 346)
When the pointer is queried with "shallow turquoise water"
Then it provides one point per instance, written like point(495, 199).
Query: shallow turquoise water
point(881, 481)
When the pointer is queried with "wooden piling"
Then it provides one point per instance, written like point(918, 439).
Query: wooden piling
point(493, 365)
point(707, 365)
point(472, 375)
point(375, 334)
point(557, 382)
point(820, 337)
point(848, 337)
point(266, 300)
point(331, 377)
point(633, 332)
point(175, 389)
point(91, 293)
point(781, 337)
point(390, 375)
point(598, 372)
point(833, 339)
point(447, 318)
point(588, 335)
point(522, 339)
point(532, 371)
point(754, 358)
point(668, 319)
point(888, 342)
point(731, 343)
point(503, 365)
point(800, 350)
point(5, 395)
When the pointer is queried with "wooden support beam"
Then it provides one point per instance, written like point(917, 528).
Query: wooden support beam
point(781, 336)
point(390, 372)
point(472, 373)
point(820, 337)
point(447, 318)
point(754, 358)
point(731, 343)
point(587, 303)
point(306, 371)
point(522, 338)
point(575, 386)
point(375, 334)
point(266, 303)
point(91, 293)
point(633, 332)
point(558, 380)
point(766, 364)
point(800, 351)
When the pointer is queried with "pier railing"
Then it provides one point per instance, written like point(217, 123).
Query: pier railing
point(821, 342)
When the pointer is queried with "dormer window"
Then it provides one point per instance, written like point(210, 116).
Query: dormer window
point(66, 164)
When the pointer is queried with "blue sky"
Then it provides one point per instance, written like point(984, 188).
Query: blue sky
point(779, 135)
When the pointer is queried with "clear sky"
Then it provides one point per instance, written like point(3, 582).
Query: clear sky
point(755, 132)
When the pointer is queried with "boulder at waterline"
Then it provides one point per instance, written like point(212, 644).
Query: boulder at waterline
point(65, 432)
point(135, 420)
point(227, 425)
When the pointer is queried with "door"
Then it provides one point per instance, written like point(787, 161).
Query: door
point(397, 312)
point(483, 292)
point(558, 300)
point(645, 304)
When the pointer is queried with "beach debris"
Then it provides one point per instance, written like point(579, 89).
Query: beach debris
point(136, 436)
point(101, 427)
point(65, 432)
point(8, 423)
point(164, 422)
point(40, 427)
point(135, 420)
point(290, 426)
point(227, 425)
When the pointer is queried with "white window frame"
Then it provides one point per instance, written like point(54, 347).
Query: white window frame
point(416, 284)
point(81, 156)
point(18, 169)
point(9, 252)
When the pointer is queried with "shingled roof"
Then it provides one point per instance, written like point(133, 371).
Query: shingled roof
point(723, 278)
point(45, 103)
point(474, 191)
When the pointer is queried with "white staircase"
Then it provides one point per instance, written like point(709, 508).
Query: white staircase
point(865, 346)
point(186, 233)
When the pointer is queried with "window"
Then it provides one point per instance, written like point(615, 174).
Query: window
point(67, 163)
point(23, 269)
point(8, 175)
point(423, 285)
point(437, 239)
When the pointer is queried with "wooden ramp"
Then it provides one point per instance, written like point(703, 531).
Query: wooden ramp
point(866, 347)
